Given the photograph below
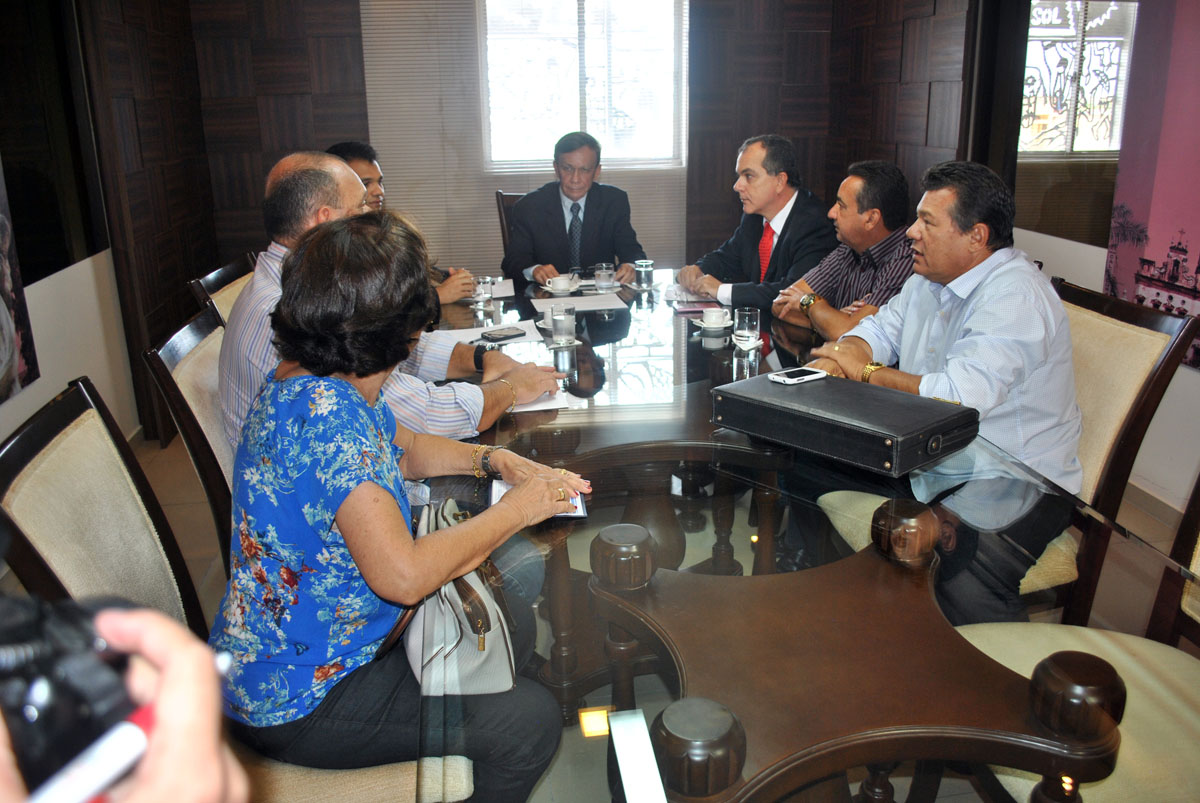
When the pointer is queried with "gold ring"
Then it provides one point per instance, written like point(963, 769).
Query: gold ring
point(837, 348)
point(562, 471)
point(562, 494)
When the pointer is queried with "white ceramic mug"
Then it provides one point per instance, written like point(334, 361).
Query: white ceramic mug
point(715, 317)
point(559, 283)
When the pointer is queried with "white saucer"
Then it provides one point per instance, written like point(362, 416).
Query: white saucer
point(540, 323)
point(575, 285)
point(704, 327)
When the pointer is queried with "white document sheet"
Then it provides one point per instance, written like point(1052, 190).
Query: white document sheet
point(582, 303)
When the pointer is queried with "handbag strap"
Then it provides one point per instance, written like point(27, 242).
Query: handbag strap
point(393, 636)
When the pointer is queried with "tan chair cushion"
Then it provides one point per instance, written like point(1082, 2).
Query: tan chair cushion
point(228, 294)
point(1161, 729)
point(81, 512)
point(196, 374)
point(426, 781)
point(850, 513)
point(1105, 396)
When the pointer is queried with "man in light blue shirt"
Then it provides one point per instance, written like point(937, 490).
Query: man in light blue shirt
point(977, 324)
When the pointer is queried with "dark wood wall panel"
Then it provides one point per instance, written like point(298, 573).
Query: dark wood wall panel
point(757, 67)
point(902, 80)
point(846, 80)
point(145, 98)
point(275, 76)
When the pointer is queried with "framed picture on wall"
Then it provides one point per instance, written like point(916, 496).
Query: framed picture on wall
point(18, 360)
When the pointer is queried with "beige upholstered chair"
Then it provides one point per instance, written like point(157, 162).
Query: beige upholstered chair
point(425, 781)
point(185, 370)
point(221, 288)
point(84, 522)
point(1161, 726)
point(1117, 407)
point(82, 516)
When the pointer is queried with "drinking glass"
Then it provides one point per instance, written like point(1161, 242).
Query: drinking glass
point(745, 328)
point(482, 295)
point(745, 364)
point(562, 324)
point(605, 278)
point(643, 274)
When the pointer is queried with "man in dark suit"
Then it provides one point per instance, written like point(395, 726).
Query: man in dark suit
point(753, 265)
point(572, 222)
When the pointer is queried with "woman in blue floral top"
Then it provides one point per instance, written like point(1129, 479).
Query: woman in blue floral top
point(323, 561)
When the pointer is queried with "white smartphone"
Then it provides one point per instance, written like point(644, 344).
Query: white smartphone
point(794, 376)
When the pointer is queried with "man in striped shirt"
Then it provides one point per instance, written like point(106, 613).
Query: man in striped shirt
point(303, 190)
point(872, 262)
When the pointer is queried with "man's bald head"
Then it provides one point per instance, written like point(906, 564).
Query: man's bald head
point(307, 188)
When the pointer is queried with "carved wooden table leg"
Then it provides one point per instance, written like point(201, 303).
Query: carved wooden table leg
point(649, 505)
point(764, 547)
point(562, 660)
point(876, 788)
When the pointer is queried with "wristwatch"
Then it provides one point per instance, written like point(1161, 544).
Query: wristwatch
point(869, 369)
point(480, 350)
point(807, 300)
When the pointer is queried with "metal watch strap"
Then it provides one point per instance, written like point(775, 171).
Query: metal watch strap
point(869, 369)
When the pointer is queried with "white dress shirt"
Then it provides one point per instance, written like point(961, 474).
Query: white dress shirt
point(725, 290)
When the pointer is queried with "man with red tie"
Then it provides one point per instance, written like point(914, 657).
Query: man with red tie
point(783, 232)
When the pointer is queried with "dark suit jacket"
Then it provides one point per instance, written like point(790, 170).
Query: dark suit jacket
point(806, 238)
point(538, 234)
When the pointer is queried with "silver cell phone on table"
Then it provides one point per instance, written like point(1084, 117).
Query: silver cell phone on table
point(794, 376)
point(502, 333)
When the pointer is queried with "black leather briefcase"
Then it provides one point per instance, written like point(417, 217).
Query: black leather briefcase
point(886, 431)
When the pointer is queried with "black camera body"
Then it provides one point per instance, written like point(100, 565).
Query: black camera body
point(61, 688)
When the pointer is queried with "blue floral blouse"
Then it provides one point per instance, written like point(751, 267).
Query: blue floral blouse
point(297, 614)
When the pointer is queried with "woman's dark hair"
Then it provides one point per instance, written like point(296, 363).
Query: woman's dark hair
point(355, 295)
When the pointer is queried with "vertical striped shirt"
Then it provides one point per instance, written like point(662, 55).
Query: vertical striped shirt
point(874, 277)
point(248, 357)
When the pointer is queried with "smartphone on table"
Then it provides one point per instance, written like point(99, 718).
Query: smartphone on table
point(502, 333)
point(795, 376)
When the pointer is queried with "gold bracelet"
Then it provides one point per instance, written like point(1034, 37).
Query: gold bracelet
point(513, 390)
point(476, 463)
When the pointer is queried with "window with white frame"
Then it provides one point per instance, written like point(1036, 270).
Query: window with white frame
point(613, 68)
point(1076, 69)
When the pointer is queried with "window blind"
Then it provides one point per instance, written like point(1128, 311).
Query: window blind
point(423, 77)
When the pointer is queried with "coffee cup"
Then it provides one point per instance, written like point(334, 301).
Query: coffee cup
point(559, 284)
point(714, 317)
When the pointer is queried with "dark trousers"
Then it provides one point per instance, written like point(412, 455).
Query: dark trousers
point(376, 715)
point(980, 571)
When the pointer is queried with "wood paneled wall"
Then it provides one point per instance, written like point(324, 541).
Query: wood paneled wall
point(146, 106)
point(275, 76)
point(846, 80)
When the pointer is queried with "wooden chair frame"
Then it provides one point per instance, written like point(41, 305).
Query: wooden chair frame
point(162, 362)
point(204, 287)
point(1167, 620)
point(504, 202)
point(28, 441)
point(1114, 476)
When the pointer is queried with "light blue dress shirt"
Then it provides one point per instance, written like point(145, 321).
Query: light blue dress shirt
point(996, 339)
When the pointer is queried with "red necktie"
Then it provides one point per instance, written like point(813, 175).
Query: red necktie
point(764, 250)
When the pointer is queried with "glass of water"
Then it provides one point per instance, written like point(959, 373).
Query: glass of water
point(643, 274)
point(482, 295)
point(562, 324)
point(745, 328)
point(605, 278)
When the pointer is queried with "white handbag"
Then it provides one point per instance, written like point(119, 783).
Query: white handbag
point(458, 641)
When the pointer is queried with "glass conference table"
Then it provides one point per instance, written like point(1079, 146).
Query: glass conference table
point(694, 517)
